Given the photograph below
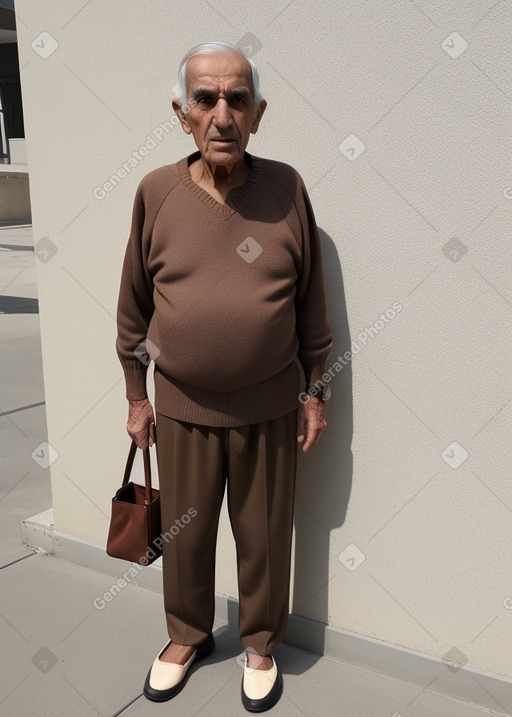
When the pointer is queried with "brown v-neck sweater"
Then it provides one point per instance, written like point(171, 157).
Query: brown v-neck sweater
point(227, 299)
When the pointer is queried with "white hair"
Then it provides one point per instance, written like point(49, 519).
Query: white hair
point(213, 48)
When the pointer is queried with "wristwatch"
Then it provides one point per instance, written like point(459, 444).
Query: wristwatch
point(323, 393)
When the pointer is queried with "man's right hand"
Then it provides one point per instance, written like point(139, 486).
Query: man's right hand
point(141, 423)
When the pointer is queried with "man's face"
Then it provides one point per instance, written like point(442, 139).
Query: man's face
point(221, 113)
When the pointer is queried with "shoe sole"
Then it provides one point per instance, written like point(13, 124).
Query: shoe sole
point(203, 650)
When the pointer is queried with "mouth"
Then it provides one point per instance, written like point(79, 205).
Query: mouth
point(222, 141)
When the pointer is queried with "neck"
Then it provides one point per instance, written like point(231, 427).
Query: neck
point(218, 175)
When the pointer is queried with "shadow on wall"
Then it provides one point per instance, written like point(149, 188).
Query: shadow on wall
point(324, 473)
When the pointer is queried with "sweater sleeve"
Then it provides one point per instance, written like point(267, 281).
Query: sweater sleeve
point(313, 330)
point(135, 303)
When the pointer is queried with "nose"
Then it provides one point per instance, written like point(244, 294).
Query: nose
point(222, 115)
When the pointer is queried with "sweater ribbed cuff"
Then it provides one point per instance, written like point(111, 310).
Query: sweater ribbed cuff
point(315, 371)
point(135, 373)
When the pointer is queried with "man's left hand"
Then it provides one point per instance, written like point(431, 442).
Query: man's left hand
point(311, 422)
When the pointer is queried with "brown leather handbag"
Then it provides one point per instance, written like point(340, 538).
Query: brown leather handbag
point(135, 523)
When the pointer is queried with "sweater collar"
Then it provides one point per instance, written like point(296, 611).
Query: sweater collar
point(235, 196)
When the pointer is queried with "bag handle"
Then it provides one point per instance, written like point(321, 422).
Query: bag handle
point(147, 469)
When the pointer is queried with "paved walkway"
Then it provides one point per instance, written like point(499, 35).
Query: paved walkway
point(64, 657)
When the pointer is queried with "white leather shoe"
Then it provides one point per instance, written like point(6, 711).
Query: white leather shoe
point(165, 679)
point(261, 689)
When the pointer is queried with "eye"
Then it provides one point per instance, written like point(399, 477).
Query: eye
point(203, 100)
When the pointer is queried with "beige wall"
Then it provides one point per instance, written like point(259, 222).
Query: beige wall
point(420, 219)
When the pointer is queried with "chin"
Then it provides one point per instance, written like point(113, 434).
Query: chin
point(224, 157)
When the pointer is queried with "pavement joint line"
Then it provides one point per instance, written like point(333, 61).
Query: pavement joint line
point(22, 408)
point(13, 562)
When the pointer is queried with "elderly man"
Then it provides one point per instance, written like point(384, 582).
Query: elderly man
point(222, 286)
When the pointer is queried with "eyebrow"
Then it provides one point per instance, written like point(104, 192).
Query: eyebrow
point(206, 92)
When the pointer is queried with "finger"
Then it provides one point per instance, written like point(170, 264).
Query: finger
point(312, 436)
point(316, 433)
point(140, 437)
point(310, 441)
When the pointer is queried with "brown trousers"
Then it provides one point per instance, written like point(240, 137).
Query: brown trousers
point(258, 461)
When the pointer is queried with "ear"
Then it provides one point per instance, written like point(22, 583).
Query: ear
point(176, 105)
point(259, 115)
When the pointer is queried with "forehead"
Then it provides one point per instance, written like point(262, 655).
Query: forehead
point(232, 69)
